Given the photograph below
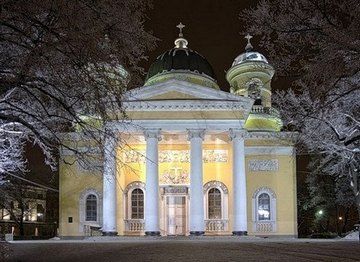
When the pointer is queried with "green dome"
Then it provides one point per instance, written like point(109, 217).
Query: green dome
point(182, 59)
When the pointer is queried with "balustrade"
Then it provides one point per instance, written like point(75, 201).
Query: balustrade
point(134, 225)
point(265, 110)
point(264, 226)
point(216, 225)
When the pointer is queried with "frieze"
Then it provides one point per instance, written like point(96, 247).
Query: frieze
point(181, 156)
point(174, 176)
point(264, 165)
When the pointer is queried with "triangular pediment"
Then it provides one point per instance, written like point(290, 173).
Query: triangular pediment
point(179, 90)
point(173, 95)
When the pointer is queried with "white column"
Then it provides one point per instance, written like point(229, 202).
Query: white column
point(152, 183)
point(109, 186)
point(197, 226)
point(239, 183)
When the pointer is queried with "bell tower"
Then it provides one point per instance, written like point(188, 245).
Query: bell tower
point(250, 76)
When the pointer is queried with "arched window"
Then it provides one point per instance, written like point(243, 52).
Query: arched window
point(264, 210)
point(214, 203)
point(91, 208)
point(216, 198)
point(137, 204)
point(263, 207)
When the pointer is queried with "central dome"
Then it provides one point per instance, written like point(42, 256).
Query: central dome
point(183, 59)
point(183, 64)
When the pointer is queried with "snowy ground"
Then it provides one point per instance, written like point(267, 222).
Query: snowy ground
point(184, 249)
point(352, 236)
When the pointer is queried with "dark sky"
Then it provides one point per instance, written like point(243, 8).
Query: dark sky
point(212, 29)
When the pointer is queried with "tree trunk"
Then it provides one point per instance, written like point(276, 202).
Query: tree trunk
point(21, 221)
point(346, 218)
point(21, 227)
point(337, 220)
point(358, 206)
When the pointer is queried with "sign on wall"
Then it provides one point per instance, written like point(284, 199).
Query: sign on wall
point(264, 165)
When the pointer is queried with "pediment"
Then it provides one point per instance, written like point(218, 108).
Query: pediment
point(173, 95)
point(179, 90)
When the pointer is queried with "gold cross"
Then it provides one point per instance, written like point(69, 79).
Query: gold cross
point(248, 37)
point(180, 26)
point(176, 169)
point(249, 46)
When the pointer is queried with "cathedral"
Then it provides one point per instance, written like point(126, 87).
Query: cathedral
point(193, 160)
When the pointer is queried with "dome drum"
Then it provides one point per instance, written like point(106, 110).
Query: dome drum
point(249, 57)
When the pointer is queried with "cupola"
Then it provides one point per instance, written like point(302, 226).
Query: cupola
point(181, 63)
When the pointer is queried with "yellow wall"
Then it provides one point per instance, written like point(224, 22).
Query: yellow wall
point(283, 183)
point(71, 184)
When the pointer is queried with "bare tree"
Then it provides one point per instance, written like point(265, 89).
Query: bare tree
point(318, 44)
point(11, 157)
point(14, 199)
point(61, 60)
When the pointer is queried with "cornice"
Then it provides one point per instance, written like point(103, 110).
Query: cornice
point(289, 136)
point(186, 105)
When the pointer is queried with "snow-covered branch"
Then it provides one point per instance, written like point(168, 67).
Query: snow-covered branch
point(318, 42)
point(52, 73)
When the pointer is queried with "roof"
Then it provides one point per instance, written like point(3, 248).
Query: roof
point(181, 59)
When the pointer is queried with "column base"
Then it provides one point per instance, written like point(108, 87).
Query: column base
point(197, 233)
point(239, 233)
point(109, 233)
point(152, 233)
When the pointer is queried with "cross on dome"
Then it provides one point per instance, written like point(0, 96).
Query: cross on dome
point(181, 42)
point(180, 26)
point(249, 46)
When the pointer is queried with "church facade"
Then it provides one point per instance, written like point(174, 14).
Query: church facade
point(190, 159)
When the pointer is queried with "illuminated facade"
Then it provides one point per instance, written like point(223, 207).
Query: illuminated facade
point(192, 160)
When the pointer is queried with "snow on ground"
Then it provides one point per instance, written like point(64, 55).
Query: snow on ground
point(352, 236)
point(178, 249)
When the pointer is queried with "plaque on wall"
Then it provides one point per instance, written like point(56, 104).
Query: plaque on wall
point(264, 165)
point(176, 190)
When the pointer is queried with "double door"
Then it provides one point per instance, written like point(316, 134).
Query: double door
point(176, 215)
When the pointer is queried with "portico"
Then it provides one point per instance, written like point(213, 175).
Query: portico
point(189, 191)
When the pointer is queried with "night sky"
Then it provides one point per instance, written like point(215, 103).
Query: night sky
point(212, 28)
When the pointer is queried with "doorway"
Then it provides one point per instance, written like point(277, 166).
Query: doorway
point(176, 215)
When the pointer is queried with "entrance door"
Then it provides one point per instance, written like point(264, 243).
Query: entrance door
point(176, 215)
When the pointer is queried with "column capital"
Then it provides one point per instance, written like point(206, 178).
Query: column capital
point(152, 133)
point(193, 133)
point(237, 133)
